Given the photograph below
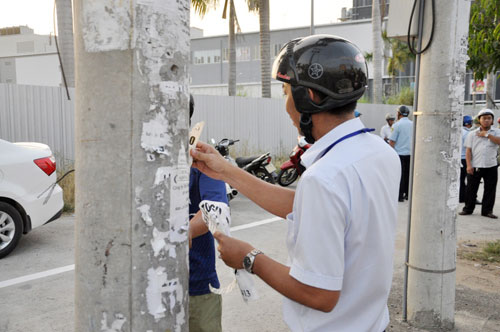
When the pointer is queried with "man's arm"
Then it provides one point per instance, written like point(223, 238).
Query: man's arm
point(276, 275)
point(392, 143)
point(276, 200)
point(197, 227)
point(468, 160)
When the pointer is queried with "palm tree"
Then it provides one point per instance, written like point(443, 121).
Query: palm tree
point(400, 56)
point(377, 52)
point(262, 7)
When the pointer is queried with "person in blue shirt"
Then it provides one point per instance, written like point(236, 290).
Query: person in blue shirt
point(400, 140)
point(205, 307)
point(467, 124)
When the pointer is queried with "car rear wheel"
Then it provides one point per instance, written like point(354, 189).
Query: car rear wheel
point(11, 228)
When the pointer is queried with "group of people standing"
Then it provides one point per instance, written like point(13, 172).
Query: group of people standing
point(399, 136)
point(479, 157)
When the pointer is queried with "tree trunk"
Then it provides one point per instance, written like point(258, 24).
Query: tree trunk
point(265, 52)
point(131, 249)
point(377, 52)
point(232, 50)
point(65, 39)
point(490, 90)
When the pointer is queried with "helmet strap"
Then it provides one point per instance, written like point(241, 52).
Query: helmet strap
point(306, 125)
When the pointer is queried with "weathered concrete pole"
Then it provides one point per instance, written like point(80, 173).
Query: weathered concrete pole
point(131, 170)
point(432, 262)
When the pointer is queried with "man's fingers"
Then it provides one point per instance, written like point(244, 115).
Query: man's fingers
point(218, 236)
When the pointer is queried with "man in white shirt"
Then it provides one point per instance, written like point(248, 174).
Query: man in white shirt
point(342, 218)
point(386, 130)
point(481, 158)
point(467, 124)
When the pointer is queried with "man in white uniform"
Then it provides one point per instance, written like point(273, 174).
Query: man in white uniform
point(481, 158)
point(386, 130)
point(342, 217)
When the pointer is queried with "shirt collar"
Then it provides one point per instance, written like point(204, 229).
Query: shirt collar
point(315, 151)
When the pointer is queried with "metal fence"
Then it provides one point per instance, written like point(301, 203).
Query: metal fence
point(43, 114)
point(38, 114)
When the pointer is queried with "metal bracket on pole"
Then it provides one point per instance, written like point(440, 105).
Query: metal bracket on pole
point(431, 271)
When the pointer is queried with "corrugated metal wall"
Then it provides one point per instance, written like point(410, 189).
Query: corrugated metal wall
point(38, 114)
point(43, 114)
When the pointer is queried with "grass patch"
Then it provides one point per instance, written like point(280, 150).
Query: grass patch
point(404, 97)
point(483, 252)
point(68, 186)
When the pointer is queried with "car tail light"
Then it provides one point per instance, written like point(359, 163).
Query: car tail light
point(48, 164)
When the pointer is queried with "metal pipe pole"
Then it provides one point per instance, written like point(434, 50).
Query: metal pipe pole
point(132, 173)
point(312, 17)
point(421, 11)
point(432, 251)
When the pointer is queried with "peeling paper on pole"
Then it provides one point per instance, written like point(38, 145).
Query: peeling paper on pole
point(217, 217)
point(163, 294)
point(154, 137)
point(116, 324)
point(107, 25)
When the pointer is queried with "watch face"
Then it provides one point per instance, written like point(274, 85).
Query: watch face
point(247, 262)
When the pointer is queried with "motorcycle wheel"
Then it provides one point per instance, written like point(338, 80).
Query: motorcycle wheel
point(263, 174)
point(287, 176)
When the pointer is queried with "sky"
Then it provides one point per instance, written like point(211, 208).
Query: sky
point(37, 14)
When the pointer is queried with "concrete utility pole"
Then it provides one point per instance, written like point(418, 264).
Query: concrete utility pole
point(132, 175)
point(432, 256)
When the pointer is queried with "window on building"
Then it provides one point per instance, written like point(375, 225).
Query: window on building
point(277, 49)
point(256, 52)
point(7, 63)
point(242, 54)
point(206, 57)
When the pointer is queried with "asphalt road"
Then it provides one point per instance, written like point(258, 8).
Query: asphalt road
point(45, 303)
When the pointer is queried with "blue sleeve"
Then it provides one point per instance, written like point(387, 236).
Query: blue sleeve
point(213, 190)
point(395, 133)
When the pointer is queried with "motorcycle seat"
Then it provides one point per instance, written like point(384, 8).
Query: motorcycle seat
point(242, 161)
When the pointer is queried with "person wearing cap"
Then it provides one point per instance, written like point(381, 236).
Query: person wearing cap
point(400, 140)
point(481, 159)
point(386, 130)
point(341, 218)
point(467, 124)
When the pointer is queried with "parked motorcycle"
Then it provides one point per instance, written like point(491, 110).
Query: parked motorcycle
point(291, 169)
point(223, 148)
point(260, 166)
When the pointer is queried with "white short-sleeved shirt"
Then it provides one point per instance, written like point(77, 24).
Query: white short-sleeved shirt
point(386, 131)
point(484, 151)
point(341, 231)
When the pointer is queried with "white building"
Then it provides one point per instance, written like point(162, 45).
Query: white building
point(27, 58)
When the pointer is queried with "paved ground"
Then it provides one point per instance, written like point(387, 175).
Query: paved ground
point(46, 304)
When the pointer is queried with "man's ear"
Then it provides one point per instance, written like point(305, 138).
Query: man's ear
point(314, 97)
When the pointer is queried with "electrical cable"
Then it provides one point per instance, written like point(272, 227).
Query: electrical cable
point(410, 45)
point(59, 53)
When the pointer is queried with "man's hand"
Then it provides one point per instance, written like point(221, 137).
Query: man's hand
point(209, 161)
point(232, 251)
point(470, 170)
point(482, 133)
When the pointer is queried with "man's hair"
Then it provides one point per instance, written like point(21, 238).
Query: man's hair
point(342, 110)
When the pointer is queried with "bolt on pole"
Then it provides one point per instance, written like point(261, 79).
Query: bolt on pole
point(432, 254)
point(132, 173)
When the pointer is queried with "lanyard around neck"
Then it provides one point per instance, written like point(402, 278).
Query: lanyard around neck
point(357, 132)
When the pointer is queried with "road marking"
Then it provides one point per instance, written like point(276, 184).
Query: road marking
point(35, 276)
point(255, 224)
point(67, 268)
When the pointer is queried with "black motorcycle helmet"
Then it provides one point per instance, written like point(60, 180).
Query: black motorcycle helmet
point(403, 110)
point(325, 63)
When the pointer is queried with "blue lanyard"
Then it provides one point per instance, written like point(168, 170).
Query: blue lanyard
point(364, 130)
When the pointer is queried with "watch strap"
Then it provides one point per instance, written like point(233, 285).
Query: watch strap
point(251, 256)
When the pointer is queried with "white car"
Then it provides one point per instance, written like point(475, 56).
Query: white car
point(29, 195)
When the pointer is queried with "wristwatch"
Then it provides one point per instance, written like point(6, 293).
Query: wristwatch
point(250, 259)
point(487, 135)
